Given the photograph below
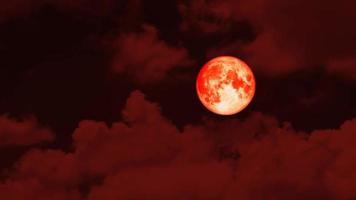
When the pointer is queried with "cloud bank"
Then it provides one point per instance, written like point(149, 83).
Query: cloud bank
point(146, 156)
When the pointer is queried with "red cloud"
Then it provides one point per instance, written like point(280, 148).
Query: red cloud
point(303, 33)
point(206, 17)
point(291, 35)
point(146, 157)
point(51, 167)
point(192, 181)
point(32, 189)
point(343, 67)
point(145, 57)
point(22, 132)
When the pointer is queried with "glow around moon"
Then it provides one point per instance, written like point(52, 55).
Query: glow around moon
point(225, 85)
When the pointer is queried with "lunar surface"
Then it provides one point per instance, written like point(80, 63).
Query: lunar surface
point(225, 85)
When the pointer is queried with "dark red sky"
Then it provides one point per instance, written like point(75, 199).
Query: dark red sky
point(98, 100)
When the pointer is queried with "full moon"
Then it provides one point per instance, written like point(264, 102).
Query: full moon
point(225, 85)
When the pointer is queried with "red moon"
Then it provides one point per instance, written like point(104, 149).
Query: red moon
point(225, 85)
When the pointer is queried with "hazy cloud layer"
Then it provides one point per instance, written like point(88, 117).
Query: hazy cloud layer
point(290, 36)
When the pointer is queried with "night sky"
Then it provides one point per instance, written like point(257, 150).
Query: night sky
point(98, 100)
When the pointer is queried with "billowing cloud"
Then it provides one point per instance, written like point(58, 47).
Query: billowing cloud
point(53, 167)
point(145, 57)
point(145, 156)
point(22, 132)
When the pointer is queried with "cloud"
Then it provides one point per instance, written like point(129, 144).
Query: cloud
point(32, 189)
point(205, 17)
point(198, 181)
point(290, 36)
point(270, 58)
point(313, 38)
point(343, 67)
point(52, 167)
point(340, 174)
point(145, 134)
point(22, 132)
point(145, 156)
point(145, 57)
